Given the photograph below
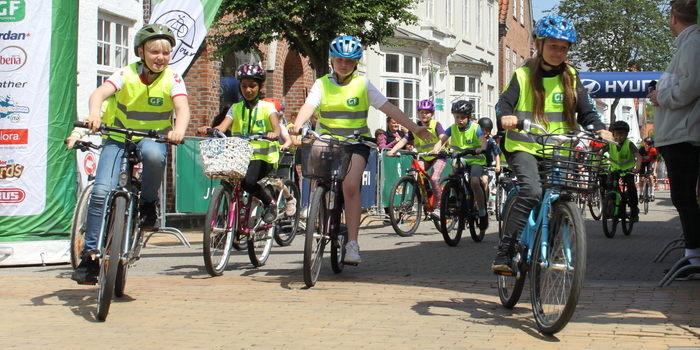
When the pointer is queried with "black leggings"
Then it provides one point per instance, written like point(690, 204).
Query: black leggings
point(257, 169)
point(682, 167)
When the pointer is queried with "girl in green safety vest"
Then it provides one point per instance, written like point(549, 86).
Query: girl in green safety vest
point(252, 116)
point(624, 157)
point(426, 111)
point(548, 91)
point(146, 94)
point(343, 99)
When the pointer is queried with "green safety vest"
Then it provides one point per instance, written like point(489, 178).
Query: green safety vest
point(143, 107)
point(256, 121)
point(621, 159)
point(463, 140)
point(553, 108)
point(344, 109)
point(422, 146)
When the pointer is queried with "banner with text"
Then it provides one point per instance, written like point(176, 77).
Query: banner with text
point(618, 84)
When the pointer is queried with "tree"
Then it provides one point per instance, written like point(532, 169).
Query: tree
point(308, 26)
point(619, 35)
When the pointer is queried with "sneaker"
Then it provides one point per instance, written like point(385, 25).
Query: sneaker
point(435, 214)
point(290, 208)
point(304, 213)
point(483, 222)
point(502, 265)
point(149, 215)
point(87, 271)
point(270, 213)
point(352, 253)
point(652, 198)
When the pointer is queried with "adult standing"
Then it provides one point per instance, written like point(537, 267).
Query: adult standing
point(677, 120)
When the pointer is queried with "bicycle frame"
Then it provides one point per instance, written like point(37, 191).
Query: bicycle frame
point(424, 184)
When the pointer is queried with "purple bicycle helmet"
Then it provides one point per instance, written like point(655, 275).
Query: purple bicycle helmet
point(426, 104)
point(250, 70)
point(346, 46)
point(556, 27)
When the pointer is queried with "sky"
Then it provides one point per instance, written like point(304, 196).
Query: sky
point(538, 6)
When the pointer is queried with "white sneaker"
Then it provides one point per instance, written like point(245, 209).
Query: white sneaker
point(304, 213)
point(290, 208)
point(435, 214)
point(352, 253)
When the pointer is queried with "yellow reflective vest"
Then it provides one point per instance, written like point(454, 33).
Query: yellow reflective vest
point(344, 109)
point(257, 120)
point(422, 146)
point(463, 140)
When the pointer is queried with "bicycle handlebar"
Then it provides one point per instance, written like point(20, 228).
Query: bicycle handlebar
point(357, 138)
point(84, 145)
point(128, 133)
point(570, 136)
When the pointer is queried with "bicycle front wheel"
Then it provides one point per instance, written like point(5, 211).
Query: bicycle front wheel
point(123, 269)
point(77, 228)
point(110, 259)
point(405, 206)
point(626, 220)
point(608, 217)
point(595, 203)
point(218, 235)
point(450, 210)
point(287, 226)
point(315, 241)
point(260, 241)
point(558, 269)
point(646, 195)
point(510, 287)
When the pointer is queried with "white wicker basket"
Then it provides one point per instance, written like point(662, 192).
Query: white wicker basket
point(225, 158)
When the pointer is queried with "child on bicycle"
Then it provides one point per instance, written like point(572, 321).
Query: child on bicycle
point(548, 91)
point(134, 88)
point(426, 111)
point(462, 135)
point(624, 157)
point(251, 116)
point(650, 158)
point(340, 119)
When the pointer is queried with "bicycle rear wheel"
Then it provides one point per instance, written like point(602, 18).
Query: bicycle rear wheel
point(77, 228)
point(608, 217)
point(646, 195)
point(110, 259)
point(626, 220)
point(338, 249)
point(218, 235)
point(287, 226)
point(314, 240)
point(405, 206)
point(450, 211)
point(595, 203)
point(260, 241)
point(557, 274)
point(510, 287)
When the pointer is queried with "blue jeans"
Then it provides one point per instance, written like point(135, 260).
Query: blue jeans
point(152, 155)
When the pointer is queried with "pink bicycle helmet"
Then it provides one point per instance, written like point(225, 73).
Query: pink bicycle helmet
point(426, 104)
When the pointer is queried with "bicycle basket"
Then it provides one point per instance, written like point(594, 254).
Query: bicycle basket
point(569, 168)
point(225, 158)
point(321, 158)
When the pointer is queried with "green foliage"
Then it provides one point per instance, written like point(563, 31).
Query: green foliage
point(308, 26)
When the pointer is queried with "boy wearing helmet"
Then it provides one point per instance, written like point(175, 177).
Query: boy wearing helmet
point(251, 116)
point(462, 135)
point(624, 157)
point(343, 99)
point(650, 158)
point(133, 88)
point(547, 91)
point(426, 111)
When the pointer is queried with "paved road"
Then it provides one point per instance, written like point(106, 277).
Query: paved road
point(409, 293)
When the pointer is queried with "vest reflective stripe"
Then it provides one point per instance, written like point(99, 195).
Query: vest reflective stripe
point(144, 107)
point(262, 150)
point(422, 146)
point(463, 140)
point(344, 109)
point(553, 108)
point(621, 159)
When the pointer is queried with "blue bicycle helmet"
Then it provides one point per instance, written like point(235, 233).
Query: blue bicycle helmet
point(426, 104)
point(556, 27)
point(346, 46)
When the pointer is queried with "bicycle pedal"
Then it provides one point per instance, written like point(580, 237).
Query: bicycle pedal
point(351, 264)
point(504, 273)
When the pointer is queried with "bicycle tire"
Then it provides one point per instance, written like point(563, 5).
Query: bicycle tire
point(557, 281)
point(450, 211)
point(338, 249)
point(646, 195)
point(287, 227)
point(438, 223)
point(626, 221)
point(474, 230)
point(110, 259)
point(260, 241)
point(405, 206)
point(314, 240)
point(77, 228)
point(510, 288)
point(123, 270)
point(595, 203)
point(218, 236)
point(608, 216)
point(501, 195)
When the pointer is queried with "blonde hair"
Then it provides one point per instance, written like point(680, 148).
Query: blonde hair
point(158, 43)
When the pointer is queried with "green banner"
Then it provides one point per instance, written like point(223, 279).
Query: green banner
point(193, 189)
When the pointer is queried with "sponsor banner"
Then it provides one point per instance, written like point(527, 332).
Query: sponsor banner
point(618, 84)
point(190, 21)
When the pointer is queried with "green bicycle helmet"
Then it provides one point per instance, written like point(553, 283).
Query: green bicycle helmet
point(153, 31)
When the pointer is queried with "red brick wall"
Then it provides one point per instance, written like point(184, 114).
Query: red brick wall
point(518, 39)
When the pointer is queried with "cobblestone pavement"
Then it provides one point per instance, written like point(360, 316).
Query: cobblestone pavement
point(409, 293)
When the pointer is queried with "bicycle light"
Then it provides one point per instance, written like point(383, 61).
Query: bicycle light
point(123, 179)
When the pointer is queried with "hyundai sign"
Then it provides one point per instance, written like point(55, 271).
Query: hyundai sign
point(618, 84)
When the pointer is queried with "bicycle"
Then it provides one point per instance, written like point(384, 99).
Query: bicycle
point(594, 200)
point(615, 206)
point(505, 183)
point(290, 225)
point(77, 228)
point(120, 239)
point(411, 198)
point(234, 218)
point(552, 246)
point(458, 203)
point(326, 160)
point(647, 193)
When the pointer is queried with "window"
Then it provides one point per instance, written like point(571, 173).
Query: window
point(392, 63)
point(490, 31)
point(113, 46)
point(429, 9)
point(508, 67)
point(402, 81)
point(449, 13)
point(465, 17)
point(460, 84)
point(477, 34)
point(473, 85)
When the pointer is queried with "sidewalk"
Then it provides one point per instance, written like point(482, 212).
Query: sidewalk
point(409, 293)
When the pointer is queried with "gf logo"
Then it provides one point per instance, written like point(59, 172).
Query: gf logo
point(558, 98)
point(352, 102)
point(155, 101)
